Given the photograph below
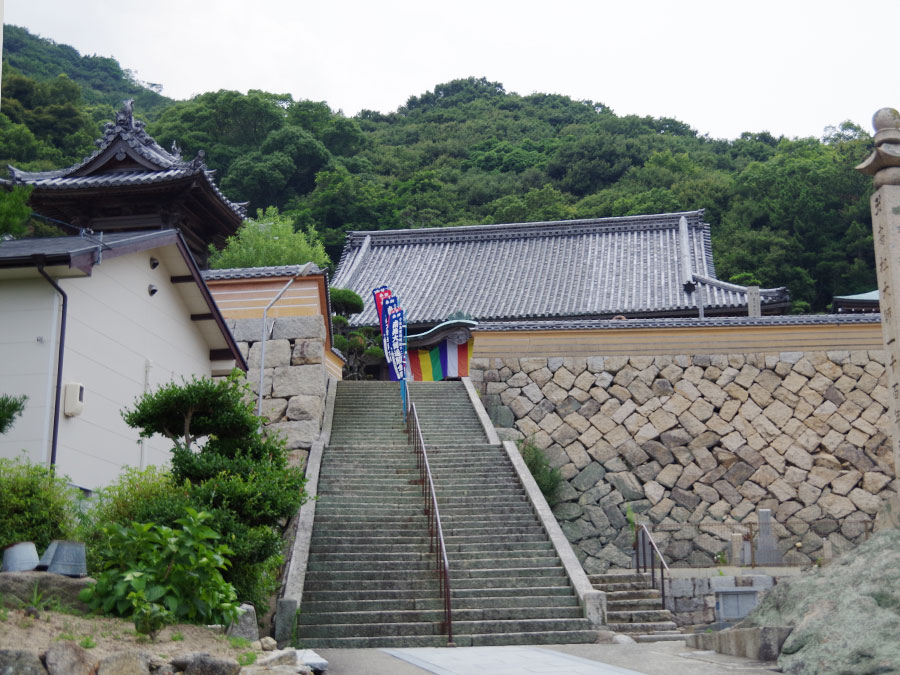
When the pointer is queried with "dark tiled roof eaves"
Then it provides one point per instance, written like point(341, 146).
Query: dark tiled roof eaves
point(713, 322)
point(555, 228)
point(261, 272)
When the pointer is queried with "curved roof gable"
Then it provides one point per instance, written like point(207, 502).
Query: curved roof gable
point(126, 155)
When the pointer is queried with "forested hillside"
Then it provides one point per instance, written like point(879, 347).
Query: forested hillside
point(102, 79)
point(783, 211)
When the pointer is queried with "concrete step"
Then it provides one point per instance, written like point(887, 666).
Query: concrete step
point(643, 594)
point(462, 564)
point(500, 548)
point(626, 586)
point(475, 603)
point(457, 595)
point(631, 605)
point(639, 616)
point(641, 628)
point(488, 640)
point(436, 615)
point(338, 630)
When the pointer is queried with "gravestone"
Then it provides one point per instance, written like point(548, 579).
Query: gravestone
point(766, 545)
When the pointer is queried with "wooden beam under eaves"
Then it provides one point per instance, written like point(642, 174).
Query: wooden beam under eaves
point(182, 279)
point(221, 355)
point(202, 317)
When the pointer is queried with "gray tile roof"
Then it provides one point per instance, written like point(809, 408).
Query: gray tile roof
point(592, 268)
point(262, 272)
point(709, 322)
point(119, 137)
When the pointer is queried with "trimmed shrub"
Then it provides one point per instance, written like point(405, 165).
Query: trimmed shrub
point(35, 505)
point(229, 469)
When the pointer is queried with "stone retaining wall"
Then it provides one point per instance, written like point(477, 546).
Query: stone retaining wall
point(703, 438)
point(294, 377)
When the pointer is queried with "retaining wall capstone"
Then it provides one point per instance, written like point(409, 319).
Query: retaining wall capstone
point(689, 440)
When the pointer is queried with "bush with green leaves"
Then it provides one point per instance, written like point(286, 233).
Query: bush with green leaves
point(35, 504)
point(229, 469)
point(160, 575)
point(546, 477)
point(151, 495)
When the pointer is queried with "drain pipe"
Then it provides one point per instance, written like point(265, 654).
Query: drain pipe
point(40, 261)
point(262, 354)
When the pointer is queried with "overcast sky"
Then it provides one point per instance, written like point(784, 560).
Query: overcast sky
point(790, 67)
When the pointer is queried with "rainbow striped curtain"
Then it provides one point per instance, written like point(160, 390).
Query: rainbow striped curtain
point(440, 362)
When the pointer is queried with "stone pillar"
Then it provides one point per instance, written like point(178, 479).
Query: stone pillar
point(737, 548)
point(754, 303)
point(884, 165)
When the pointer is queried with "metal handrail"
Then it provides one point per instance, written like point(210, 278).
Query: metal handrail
point(436, 532)
point(645, 543)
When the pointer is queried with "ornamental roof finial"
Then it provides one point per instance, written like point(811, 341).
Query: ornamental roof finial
point(884, 162)
point(125, 117)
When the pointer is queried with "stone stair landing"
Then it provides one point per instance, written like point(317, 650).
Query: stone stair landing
point(635, 608)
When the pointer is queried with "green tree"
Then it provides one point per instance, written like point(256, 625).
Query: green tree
point(14, 212)
point(269, 240)
point(360, 346)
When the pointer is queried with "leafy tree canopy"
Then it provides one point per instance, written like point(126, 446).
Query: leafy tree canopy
point(784, 211)
point(270, 240)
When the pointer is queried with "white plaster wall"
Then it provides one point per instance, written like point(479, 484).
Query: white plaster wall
point(29, 327)
point(114, 329)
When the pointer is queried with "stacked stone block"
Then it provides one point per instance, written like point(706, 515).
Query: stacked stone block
point(703, 438)
point(294, 377)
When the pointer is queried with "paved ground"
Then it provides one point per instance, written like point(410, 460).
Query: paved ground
point(661, 658)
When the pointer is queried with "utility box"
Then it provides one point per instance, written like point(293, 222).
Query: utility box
point(73, 399)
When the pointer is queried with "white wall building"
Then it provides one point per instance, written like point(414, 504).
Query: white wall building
point(138, 315)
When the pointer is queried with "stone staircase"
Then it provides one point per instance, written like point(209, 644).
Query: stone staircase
point(370, 579)
point(634, 607)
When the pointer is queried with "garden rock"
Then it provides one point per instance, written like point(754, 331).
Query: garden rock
point(197, 663)
point(279, 658)
point(246, 626)
point(51, 587)
point(67, 658)
point(844, 614)
point(20, 662)
point(125, 663)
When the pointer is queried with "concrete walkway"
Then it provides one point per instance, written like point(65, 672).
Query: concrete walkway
point(661, 658)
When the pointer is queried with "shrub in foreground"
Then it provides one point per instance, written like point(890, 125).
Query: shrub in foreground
point(35, 504)
point(159, 575)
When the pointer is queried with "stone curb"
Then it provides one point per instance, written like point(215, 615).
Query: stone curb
point(328, 416)
point(483, 417)
point(762, 644)
point(295, 574)
point(593, 602)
